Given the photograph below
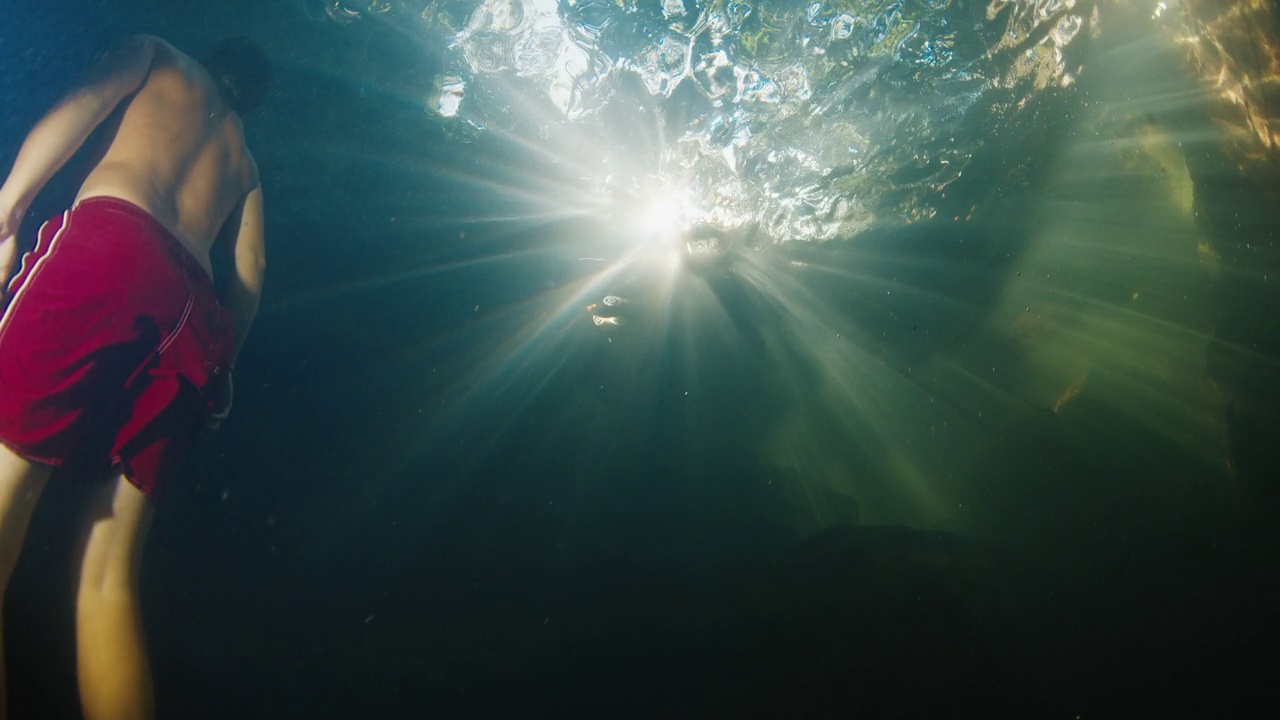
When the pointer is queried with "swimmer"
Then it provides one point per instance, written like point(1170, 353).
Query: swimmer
point(126, 269)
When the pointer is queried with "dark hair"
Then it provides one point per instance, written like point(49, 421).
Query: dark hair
point(242, 71)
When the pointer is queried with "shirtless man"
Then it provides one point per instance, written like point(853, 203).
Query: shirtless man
point(114, 349)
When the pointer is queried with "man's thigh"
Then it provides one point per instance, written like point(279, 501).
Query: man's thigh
point(118, 518)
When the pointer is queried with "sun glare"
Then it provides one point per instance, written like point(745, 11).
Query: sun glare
point(662, 218)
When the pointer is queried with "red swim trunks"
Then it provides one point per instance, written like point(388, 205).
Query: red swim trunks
point(113, 346)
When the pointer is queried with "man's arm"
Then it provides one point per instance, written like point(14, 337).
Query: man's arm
point(247, 248)
point(64, 129)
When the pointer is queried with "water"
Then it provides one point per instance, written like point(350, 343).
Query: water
point(815, 120)
point(720, 358)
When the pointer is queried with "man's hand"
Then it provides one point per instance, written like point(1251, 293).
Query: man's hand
point(11, 215)
point(221, 406)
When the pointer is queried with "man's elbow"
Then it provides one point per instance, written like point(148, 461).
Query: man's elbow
point(252, 268)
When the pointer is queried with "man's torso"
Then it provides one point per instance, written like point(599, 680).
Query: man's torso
point(178, 153)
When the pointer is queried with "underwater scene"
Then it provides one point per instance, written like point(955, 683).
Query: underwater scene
point(715, 359)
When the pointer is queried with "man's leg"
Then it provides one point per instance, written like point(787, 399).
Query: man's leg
point(21, 482)
point(111, 659)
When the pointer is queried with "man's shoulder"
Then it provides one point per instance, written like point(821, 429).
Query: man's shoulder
point(160, 51)
point(138, 44)
point(135, 54)
point(146, 40)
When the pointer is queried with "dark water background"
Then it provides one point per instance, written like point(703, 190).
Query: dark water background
point(407, 518)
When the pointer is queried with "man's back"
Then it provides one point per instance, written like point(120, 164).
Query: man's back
point(178, 152)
